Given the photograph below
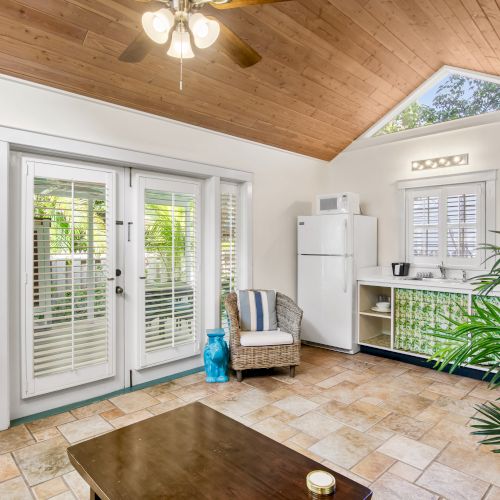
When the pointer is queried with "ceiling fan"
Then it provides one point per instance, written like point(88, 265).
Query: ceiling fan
point(180, 24)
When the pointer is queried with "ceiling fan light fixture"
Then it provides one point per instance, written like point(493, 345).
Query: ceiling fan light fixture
point(157, 25)
point(180, 47)
point(205, 31)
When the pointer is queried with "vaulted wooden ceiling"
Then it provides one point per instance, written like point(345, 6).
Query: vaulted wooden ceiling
point(330, 68)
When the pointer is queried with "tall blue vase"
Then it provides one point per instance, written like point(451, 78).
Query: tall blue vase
point(216, 357)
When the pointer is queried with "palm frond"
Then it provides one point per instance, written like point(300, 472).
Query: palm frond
point(476, 341)
point(488, 424)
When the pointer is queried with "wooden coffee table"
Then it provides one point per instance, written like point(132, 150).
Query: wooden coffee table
point(195, 452)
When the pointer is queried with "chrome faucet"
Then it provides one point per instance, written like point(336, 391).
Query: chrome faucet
point(464, 275)
point(442, 270)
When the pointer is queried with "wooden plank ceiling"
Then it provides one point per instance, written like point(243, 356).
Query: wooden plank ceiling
point(330, 68)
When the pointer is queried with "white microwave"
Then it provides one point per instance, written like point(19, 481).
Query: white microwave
point(339, 203)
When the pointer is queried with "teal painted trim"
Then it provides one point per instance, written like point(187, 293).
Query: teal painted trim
point(73, 406)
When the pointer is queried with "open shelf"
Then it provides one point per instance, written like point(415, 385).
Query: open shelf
point(376, 314)
point(375, 329)
point(382, 340)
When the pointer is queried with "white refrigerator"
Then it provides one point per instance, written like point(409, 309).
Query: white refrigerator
point(330, 250)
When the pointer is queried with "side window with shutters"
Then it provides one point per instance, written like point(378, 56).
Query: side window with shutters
point(229, 246)
point(446, 224)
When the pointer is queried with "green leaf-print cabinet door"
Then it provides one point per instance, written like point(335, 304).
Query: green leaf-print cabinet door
point(418, 311)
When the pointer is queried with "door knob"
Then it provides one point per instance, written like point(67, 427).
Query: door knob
point(119, 290)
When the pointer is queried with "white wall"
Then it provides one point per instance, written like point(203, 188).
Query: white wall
point(284, 182)
point(284, 185)
point(374, 171)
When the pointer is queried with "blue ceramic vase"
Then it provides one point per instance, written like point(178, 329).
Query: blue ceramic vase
point(216, 357)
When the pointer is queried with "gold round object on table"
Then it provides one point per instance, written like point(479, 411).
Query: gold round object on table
point(320, 482)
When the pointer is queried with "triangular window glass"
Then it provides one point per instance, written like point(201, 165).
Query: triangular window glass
point(454, 96)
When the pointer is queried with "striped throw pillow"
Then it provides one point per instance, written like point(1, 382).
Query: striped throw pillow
point(257, 310)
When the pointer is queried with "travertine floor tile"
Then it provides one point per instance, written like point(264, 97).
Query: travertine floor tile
point(303, 440)
point(261, 414)
point(130, 418)
point(193, 392)
point(389, 411)
point(407, 450)
point(405, 471)
point(407, 426)
point(111, 414)
point(316, 424)
point(77, 485)
point(275, 429)
point(50, 488)
point(408, 404)
point(84, 428)
point(296, 405)
point(241, 404)
point(45, 434)
point(493, 494)
point(92, 409)
point(448, 430)
point(454, 391)
point(451, 483)
point(345, 447)
point(166, 406)
point(15, 489)
point(133, 401)
point(52, 421)
point(8, 468)
point(67, 495)
point(361, 415)
point(391, 487)
point(373, 465)
point(345, 392)
point(476, 462)
point(14, 438)
point(43, 461)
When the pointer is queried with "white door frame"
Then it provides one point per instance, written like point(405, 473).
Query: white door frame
point(106, 384)
point(18, 140)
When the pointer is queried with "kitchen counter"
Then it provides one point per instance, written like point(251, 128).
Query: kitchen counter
point(376, 275)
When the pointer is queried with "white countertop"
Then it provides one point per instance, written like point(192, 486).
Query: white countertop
point(379, 275)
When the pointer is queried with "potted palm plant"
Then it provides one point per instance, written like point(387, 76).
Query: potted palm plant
point(476, 341)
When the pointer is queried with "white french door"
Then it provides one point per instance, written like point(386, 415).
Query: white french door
point(166, 269)
point(70, 257)
point(81, 325)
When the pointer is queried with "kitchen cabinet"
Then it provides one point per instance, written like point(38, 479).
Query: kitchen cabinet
point(416, 310)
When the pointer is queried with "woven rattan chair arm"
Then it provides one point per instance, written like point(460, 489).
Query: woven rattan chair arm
point(289, 316)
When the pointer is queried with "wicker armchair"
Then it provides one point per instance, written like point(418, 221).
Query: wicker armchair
point(244, 358)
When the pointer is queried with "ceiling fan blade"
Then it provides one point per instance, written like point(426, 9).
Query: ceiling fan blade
point(138, 49)
point(236, 48)
point(235, 4)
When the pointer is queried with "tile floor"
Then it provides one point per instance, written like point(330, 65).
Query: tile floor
point(400, 429)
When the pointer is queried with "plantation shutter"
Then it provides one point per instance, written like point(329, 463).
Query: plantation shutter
point(170, 270)
point(464, 228)
point(229, 246)
point(446, 224)
point(424, 210)
point(69, 301)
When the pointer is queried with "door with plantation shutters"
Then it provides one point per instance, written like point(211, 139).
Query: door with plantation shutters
point(167, 244)
point(69, 261)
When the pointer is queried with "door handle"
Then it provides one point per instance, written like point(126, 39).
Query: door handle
point(119, 290)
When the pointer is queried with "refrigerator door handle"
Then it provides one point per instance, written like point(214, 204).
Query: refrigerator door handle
point(345, 237)
point(345, 274)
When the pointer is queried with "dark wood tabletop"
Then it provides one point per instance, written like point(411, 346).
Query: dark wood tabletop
point(196, 452)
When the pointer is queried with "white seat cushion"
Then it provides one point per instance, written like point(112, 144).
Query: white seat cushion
point(272, 337)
